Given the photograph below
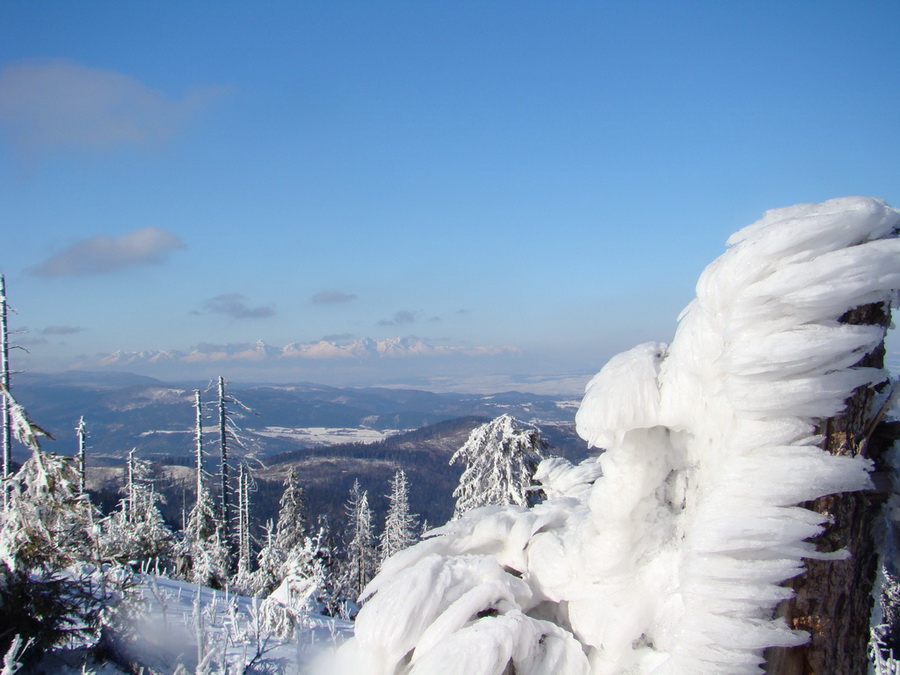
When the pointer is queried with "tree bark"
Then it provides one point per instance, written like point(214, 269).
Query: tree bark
point(833, 600)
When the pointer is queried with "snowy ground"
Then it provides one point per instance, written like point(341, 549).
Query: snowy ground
point(174, 629)
point(328, 435)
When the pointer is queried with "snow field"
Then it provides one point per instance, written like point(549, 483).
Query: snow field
point(230, 631)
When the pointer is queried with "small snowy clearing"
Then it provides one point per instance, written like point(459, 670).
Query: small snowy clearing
point(315, 436)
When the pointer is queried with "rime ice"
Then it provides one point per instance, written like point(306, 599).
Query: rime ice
point(670, 561)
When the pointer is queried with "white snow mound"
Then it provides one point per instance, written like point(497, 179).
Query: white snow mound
point(666, 554)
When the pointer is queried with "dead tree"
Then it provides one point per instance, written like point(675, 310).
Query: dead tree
point(198, 440)
point(229, 436)
point(243, 533)
point(833, 600)
point(224, 496)
point(4, 403)
point(81, 432)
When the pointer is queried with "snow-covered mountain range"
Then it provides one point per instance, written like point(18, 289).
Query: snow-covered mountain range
point(364, 348)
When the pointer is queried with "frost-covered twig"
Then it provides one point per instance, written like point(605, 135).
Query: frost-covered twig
point(11, 663)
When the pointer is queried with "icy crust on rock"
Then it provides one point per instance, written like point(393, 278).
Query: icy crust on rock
point(666, 554)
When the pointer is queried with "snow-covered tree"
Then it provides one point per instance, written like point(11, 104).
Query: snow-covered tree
point(210, 558)
point(670, 552)
point(362, 555)
point(244, 579)
point(48, 595)
point(48, 522)
point(136, 532)
point(288, 534)
point(499, 458)
point(229, 437)
point(204, 554)
point(298, 592)
point(885, 640)
point(399, 524)
point(333, 596)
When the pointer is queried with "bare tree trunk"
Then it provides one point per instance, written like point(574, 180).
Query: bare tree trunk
point(243, 518)
point(198, 441)
point(82, 462)
point(129, 489)
point(833, 599)
point(225, 507)
point(4, 403)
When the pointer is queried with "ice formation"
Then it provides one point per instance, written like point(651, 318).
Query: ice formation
point(666, 554)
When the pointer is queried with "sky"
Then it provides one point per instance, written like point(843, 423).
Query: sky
point(451, 195)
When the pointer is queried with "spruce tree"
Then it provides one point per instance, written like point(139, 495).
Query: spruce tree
point(287, 535)
point(500, 458)
point(136, 532)
point(399, 524)
point(47, 523)
point(361, 552)
point(209, 554)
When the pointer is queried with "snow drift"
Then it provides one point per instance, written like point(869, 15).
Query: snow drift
point(667, 553)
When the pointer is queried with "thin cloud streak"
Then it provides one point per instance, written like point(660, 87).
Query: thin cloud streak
point(400, 318)
point(332, 298)
point(61, 330)
point(102, 254)
point(235, 306)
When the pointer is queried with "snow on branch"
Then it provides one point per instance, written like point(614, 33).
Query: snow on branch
point(24, 430)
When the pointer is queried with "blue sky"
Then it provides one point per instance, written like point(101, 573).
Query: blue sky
point(527, 186)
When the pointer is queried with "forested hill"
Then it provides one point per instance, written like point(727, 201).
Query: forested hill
point(315, 428)
point(327, 472)
point(123, 411)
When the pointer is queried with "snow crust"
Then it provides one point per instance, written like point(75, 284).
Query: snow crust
point(666, 554)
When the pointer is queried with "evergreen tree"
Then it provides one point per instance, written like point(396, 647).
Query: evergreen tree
point(399, 524)
point(288, 534)
point(299, 591)
point(500, 458)
point(136, 532)
point(47, 597)
point(48, 523)
point(332, 594)
point(361, 552)
point(210, 558)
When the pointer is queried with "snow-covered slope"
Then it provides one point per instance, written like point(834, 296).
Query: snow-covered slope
point(672, 560)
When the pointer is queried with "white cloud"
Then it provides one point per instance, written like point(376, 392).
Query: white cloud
point(52, 105)
point(102, 254)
